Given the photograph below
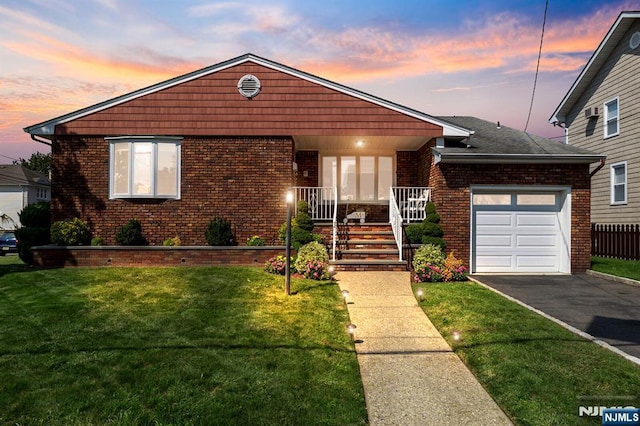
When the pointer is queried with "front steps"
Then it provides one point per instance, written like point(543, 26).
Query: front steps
point(366, 247)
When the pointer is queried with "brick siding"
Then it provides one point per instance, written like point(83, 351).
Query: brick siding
point(57, 257)
point(452, 199)
point(242, 179)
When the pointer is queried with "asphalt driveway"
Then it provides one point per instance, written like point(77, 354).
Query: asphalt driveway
point(605, 309)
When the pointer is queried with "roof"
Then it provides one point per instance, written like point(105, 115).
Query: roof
point(492, 144)
point(47, 128)
point(598, 59)
point(14, 175)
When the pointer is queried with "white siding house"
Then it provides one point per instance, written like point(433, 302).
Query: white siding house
point(20, 187)
point(601, 113)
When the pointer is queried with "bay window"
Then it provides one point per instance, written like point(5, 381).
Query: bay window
point(144, 167)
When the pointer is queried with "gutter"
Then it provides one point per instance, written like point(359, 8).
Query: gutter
point(597, 169)
point(516, 158)
point(33, 137)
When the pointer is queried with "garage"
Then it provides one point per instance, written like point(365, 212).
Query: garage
point(521, 231)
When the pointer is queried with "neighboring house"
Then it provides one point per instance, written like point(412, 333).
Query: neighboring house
point(601, 112)
point(19, 187)
point(231, 139)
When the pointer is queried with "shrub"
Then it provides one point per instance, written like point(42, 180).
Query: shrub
point(36, 221)
point(219, 233)
point(453, 269)
point(428, 254)
point(429, 231)
point(97, 241)
point(256, 241)
point(28, 237)
point(131, 234)
point(430, 265)
point(428, 273)
point(171, 242)
point(36, 215)
point(277, 265)
point(315, 270)
point(301, 227)
point(313, 251)
point(74, 232)
point(303, 219)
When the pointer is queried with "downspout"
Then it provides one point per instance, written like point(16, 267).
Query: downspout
point(597, 169)
point(33, 137)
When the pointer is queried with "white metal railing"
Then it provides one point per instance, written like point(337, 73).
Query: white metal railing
point(411, 202)
point(323, 202)
point(395, 219)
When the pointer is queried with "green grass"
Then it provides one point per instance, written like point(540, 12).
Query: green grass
point(173, 346)
point(618, 267)
point(538, 372)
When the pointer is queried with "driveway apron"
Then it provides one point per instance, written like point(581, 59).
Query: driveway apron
point(409, 373)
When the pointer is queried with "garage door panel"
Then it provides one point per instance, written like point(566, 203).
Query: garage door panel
point(490, 242)
point(537, 262)
point(539, 241)
point(493, 262)
point(536, 220)
point(493, 219)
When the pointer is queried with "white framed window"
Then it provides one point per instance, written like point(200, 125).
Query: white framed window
point(144, 167)
point(358, 177)
point(611, 118)
point(619, 183)
point(42, 194)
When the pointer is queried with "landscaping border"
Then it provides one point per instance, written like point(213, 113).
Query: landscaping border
point(59, 256)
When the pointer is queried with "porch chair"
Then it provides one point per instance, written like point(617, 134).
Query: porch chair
point(414, 207)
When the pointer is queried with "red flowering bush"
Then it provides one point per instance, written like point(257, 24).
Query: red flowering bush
point(315, 270)
point(276, 265)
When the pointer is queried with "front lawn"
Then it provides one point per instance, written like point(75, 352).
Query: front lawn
point(618, 267)
point(173, 346)
point(538, 372)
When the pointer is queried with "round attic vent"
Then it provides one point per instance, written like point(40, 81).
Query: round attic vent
point(249, 86)
point(634, 41)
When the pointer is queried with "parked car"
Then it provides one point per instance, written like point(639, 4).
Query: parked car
point(8, 243)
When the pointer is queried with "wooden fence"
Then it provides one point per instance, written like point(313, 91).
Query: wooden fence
point(619, 241)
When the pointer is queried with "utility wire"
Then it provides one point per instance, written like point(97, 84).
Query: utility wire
point(535, 81)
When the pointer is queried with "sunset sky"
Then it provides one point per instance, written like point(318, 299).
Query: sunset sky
point(441, 57)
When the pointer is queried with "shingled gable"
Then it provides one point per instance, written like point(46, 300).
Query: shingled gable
point(207, 102)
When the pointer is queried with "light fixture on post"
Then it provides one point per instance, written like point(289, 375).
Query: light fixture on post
point(287, 271)
point(351, 329)
point(420, 294)
point(345, 294)
point(455, 334)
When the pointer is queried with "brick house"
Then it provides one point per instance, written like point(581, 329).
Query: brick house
point(231, 139)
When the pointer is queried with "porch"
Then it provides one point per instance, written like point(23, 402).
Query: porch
point(362, 234)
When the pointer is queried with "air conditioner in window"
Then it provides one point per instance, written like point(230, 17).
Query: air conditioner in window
point(591, 113)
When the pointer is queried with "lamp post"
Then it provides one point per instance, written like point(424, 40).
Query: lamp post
point(287, 270)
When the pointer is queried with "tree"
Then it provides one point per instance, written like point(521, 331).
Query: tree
point(38, 162)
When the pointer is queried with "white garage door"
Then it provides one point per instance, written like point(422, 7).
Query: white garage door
point(518, 232)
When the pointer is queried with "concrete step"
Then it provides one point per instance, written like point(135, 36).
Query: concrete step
point(369, 265)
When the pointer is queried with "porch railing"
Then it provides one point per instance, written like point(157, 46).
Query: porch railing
point(323, 203)
point(411, 202)
point(395, 219)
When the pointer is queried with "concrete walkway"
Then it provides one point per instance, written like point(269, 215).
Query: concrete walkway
point(409, 373)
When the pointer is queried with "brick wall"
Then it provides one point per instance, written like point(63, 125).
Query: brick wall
point(452, 199)
point(57, 257)
point(242, 179)
point(307, 162)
